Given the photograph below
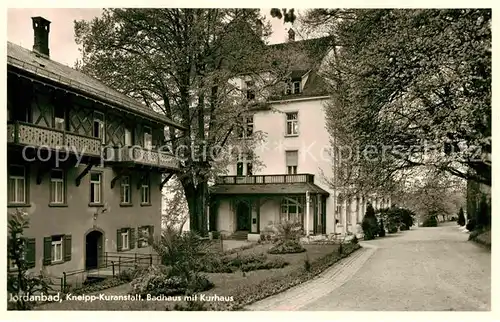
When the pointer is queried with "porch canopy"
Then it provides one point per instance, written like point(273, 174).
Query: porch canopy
point(267, 189)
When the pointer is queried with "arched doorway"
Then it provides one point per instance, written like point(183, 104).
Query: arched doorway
point(242, 217)
point(93, 249)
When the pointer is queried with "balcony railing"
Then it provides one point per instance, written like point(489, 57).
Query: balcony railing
point(266, 179)
point(139, 155)
point(33, 135)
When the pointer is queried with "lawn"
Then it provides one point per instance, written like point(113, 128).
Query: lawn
point(225, 283)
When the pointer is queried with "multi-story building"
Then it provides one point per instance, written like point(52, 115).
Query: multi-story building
point(83, 162)
point(293, 183)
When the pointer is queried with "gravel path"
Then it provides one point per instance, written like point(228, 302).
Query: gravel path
point(425, 269)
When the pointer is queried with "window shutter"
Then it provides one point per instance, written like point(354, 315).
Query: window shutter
point(67, 248)
point(47, 250)
point(292, 158)
point(140, 237)
point(118, 240)
point(131, 238)
point(30, 252)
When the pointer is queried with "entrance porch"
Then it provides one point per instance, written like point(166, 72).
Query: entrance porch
point(243, 210)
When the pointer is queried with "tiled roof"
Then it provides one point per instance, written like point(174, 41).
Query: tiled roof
point(266, 189)
point(32, 63)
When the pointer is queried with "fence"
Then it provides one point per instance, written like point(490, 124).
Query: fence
point(109, 265)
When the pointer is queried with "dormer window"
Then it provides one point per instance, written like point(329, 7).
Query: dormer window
point(293, 87)
point(250, 90)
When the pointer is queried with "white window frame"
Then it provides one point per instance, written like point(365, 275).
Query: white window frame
point(17, 179)
point(101, 134)
point(125, 236)
point(145, 191)
point(55, 244)
point(128, 137)
point(148, 138)
point(294, 131)
point(54, 182)
point(291, 169)
point(294, 89)
point(144, 233)
point(292, 216)
point(125, 190)
point(96, 184)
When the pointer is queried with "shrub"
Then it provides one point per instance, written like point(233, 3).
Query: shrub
point(130, 274)
point(430, 221)
point(21, 282)
point(483, 213)
point(461, 217)
point(369, 223)
point(381, 232)
point(228, 264)
point(392, 229)
point(216, 234)
point(199, 284)
point(307, 264)
point(354, 240)
point(277, 262)
point(286, 247)
point(289, 230)
point(471, 225)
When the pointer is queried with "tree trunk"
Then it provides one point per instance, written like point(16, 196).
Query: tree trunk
point(196, 198)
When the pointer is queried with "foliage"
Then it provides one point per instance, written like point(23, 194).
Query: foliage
point(98, 286)
point(289, 230)
point(307, 263)
point(288, 15)
point(392, 229)
point(20, 281)
point(276, 284)
point(129, 274)
point(245, 263)
point(286, 247)
point(216, 234)
point(471, 224)
point(410, 88)
point(430, 221)
point(354, 240)
point(381, 232)
point(483, 214)
point(183, 62)
point(369, 223)
point(161, 280)
point(461, 217)
point(175, 211)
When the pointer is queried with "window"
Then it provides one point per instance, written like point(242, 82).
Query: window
point(292, 87)
point(59, 118)
point(292, 161)
point(57, 187)
point(96, 188)
point(17, 185)
point(57, 249)
point(349, 211)
point(148, 138)
point(125, 239)
point(249, 169)
point(128, 137)
point(291, 209)
point(250, 90)
point(98, 126)
point(145, 193)
point(145, 232)
point(239, 168)
point(125, 191)
point(292, 124)
point(338, 209)
point(246, 129)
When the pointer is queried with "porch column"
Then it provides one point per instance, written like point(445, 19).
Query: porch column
point(315, 218)
point(258, 215)
point(343, 215)
point(307, 212)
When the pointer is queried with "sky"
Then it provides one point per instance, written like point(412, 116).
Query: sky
point(62, 45)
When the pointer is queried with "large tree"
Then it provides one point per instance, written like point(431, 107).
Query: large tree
point(183, 63)
point(410, 89)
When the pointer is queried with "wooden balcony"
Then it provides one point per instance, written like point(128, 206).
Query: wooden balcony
point(266, 179)
point(136, 155)
point(28, 134)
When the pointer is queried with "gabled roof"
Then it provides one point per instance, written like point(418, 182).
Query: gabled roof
point(32, 63)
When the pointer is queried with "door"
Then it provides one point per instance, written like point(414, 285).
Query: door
point(242, 217)
point(93, 249)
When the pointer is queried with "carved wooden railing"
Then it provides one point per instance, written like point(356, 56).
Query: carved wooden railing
point(140, 155)
point(37, 136)
point(266, 179)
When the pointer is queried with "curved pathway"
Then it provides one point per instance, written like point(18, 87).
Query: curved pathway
point(425, 269)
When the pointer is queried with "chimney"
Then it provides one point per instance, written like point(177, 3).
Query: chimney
point(291, 35)
point(41, 28)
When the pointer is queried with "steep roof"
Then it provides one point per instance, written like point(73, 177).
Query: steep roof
point(43, 67)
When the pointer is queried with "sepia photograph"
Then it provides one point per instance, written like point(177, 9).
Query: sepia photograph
point(239, 159)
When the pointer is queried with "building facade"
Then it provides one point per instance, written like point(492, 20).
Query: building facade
point(85, 162)
point(294, 182)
